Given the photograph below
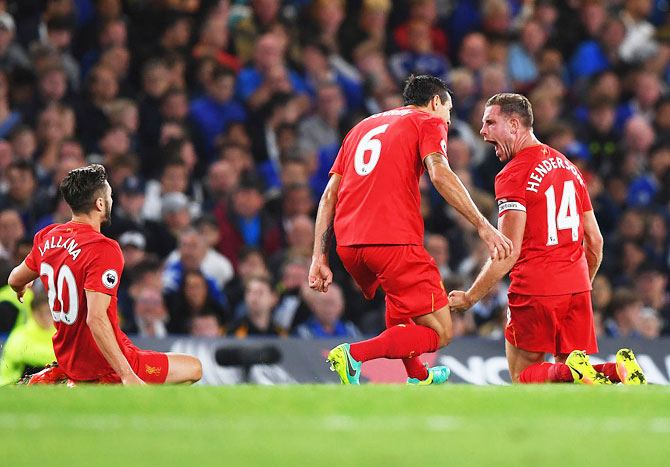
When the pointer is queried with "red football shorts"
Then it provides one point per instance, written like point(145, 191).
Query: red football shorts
point(151, 367)
point(556, 324)
point(407, 273)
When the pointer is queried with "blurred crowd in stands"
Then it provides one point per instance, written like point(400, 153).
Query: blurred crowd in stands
point(218, 121)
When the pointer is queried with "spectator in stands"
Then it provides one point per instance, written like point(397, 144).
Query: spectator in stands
point(652, 284)
point(145, 275)
point(299, 241)
point(367, 29)
point(291, 309)
point(657, 239)
point(248, 30)
point(662, 116)
point(174, 178)
point(59, 30)
point(323, 127)
point(194, 254)
point(133, 246)
point(600, 136)
point(596, 55)
point(425, 10)
point(175, 219)
point(626, 309)
point(12, 55)
point(268, 75)
point(155, 84)
point(245, 223)
point(123, 113)
point(21, 192)
point(644, 189)
point(213, 42)
point(92, 118)
point(28, 347)
point(523, 55)
point(11, 231)
point(213, 111)
point(420, 57)
point(206, 325)
point(322, 23)
point(437, 247)
point(112, 32)
point(221, 180)
point(150, 313)
point(638, 138)
point(259, 302)
point(326, 320)
point(638, 44)
point(191, 300)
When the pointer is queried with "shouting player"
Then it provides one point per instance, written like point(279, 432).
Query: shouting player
point(545, 209)
point(81, 271)
point(371, 203)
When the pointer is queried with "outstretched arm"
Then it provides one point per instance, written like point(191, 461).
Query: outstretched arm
point(452, 190)
point(21, 278)
point(320, 275)
point(103, 334)
point(512, 224)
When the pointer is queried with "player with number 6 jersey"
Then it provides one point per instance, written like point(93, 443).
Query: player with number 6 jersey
point(544, 207)
point(372, 204)
point(81, 270)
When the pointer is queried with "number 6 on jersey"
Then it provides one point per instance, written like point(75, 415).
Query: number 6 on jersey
point(568, 216)
point(368, 143)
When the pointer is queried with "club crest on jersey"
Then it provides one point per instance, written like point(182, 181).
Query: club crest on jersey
point(110, 278)
point(443, 145)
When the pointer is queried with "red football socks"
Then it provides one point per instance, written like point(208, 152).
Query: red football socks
point(545, 372)
point(402, 341)
point(413, 366)
point(609, 370)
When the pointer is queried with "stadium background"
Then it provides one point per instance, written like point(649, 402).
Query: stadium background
point(219, 120)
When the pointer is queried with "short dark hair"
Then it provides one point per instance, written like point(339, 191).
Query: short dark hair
point(419, 90)
point(513, 104)
point(82, 186)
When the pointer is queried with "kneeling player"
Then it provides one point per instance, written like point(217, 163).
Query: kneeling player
point(544, 208)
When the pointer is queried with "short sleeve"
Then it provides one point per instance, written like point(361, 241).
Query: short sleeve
point(338, 165)
point(105, 265)
point(432, 137)
point(510, 191)
point(586, 199)
point(32, 260)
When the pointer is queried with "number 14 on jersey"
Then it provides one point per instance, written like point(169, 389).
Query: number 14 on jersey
point(568, 216)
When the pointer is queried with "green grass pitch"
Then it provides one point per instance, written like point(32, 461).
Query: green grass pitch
point(455, 425)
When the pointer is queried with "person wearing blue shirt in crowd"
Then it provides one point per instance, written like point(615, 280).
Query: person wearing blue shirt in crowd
point(216, 109)
point(327, 309)
point(192, 254)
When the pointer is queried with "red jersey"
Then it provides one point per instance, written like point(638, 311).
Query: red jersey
point(550, 189)
point(70, 259)
point(380, 161)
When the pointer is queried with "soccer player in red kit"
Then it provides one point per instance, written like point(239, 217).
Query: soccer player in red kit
point(81, 270)
point(545, 209)
point(371, 203)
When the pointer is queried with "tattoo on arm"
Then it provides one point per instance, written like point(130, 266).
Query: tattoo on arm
point(434, 159)
point(327, 237)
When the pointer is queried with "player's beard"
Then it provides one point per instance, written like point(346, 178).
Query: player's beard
point(107, 221)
